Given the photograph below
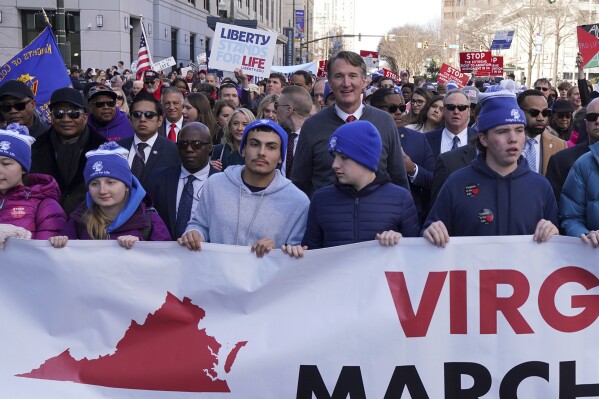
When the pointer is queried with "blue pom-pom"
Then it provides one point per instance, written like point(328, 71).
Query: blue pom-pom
point(15, 127)
point(109, 146)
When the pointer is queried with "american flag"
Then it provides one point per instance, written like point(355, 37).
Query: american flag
point(143, 57)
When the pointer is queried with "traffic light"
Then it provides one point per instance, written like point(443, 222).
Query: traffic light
point(480, 48)
point(359, 37)
point(444, 45)
point(426, 44)
point(464, 47)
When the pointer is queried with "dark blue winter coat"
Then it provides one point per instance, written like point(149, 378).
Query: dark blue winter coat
point(341, 215)
point(476, 201)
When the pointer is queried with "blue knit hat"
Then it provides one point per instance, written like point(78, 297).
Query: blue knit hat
point(499, 108)
point(269, 124)
point(360, 141)
point(109, 160)
point(15, 143)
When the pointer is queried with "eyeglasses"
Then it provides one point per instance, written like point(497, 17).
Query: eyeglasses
point(277, 105)
point(460, 107)
point(562, 115)
point(417, 101)
point(195, 144)
point(102, 104)
point(71, 113)
point(17, 106)
point(591, 117)
point(535, 112)
point(542, 88)
point(393, 108)
point(147, 114)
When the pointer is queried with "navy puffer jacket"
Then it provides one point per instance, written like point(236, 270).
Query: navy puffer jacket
point(341, 215)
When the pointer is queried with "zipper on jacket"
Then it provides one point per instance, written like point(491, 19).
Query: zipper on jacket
point(356, 213)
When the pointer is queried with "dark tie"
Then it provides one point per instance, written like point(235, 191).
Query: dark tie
point(289, 155)
point(456, 142)
point(351, 118)
point(172, 134)
point(139, 160)
point(185, 204)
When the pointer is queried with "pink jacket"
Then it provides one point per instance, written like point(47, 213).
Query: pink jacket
point(34, 207)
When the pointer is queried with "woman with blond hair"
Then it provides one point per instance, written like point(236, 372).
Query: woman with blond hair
point(227, 153)
point(266, 108)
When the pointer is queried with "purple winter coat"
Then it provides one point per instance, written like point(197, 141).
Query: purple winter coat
point(134, 226)
point(34, 207)
point(117, 129)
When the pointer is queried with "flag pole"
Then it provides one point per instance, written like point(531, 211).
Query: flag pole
point(143, 32)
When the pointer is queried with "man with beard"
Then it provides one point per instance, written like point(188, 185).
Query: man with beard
point(60, 152)
point(540, 143)
point(176, 189)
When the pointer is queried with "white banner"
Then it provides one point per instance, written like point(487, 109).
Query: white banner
point(163, 64)
point(311, 67)
point(489, 317)
point(234, 46)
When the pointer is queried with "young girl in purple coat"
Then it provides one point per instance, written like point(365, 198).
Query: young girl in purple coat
point(116, 207)
point(29, 203)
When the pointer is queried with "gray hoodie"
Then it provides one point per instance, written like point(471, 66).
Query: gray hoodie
point(229, 213)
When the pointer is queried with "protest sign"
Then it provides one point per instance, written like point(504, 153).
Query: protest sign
point(388, 73)
point(234, 46)
point(162, 322)
point(371, 58)
point(448, 74)
point(588, 44)
point(167, 62)
point(473, 61)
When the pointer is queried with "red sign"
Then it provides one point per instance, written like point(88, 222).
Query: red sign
point(588, 44)
point(371, 58)
point(448, 73)
point(497, 65)
point(474, 61)
point(389, 74)
point(322, 69)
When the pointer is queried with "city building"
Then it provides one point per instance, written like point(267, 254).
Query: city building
point(545, 40)
point(332, 19)
point(103, 33)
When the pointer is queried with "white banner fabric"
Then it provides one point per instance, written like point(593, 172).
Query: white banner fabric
point(488, 316)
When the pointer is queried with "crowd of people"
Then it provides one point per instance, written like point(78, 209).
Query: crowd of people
point(298, 162)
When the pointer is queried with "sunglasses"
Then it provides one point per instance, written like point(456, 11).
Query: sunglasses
point(120, 98)
point(562, 115)
point(102, 104)
point(542, 88)
point(150, 81)
point(591, 117)
point(460, 107)
point(419, 102)
point(535, 112)
point(393, 108)
point(147, 114)
point(18, 106)
point(387, 86)
point(195, 144)
point(71, 113)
